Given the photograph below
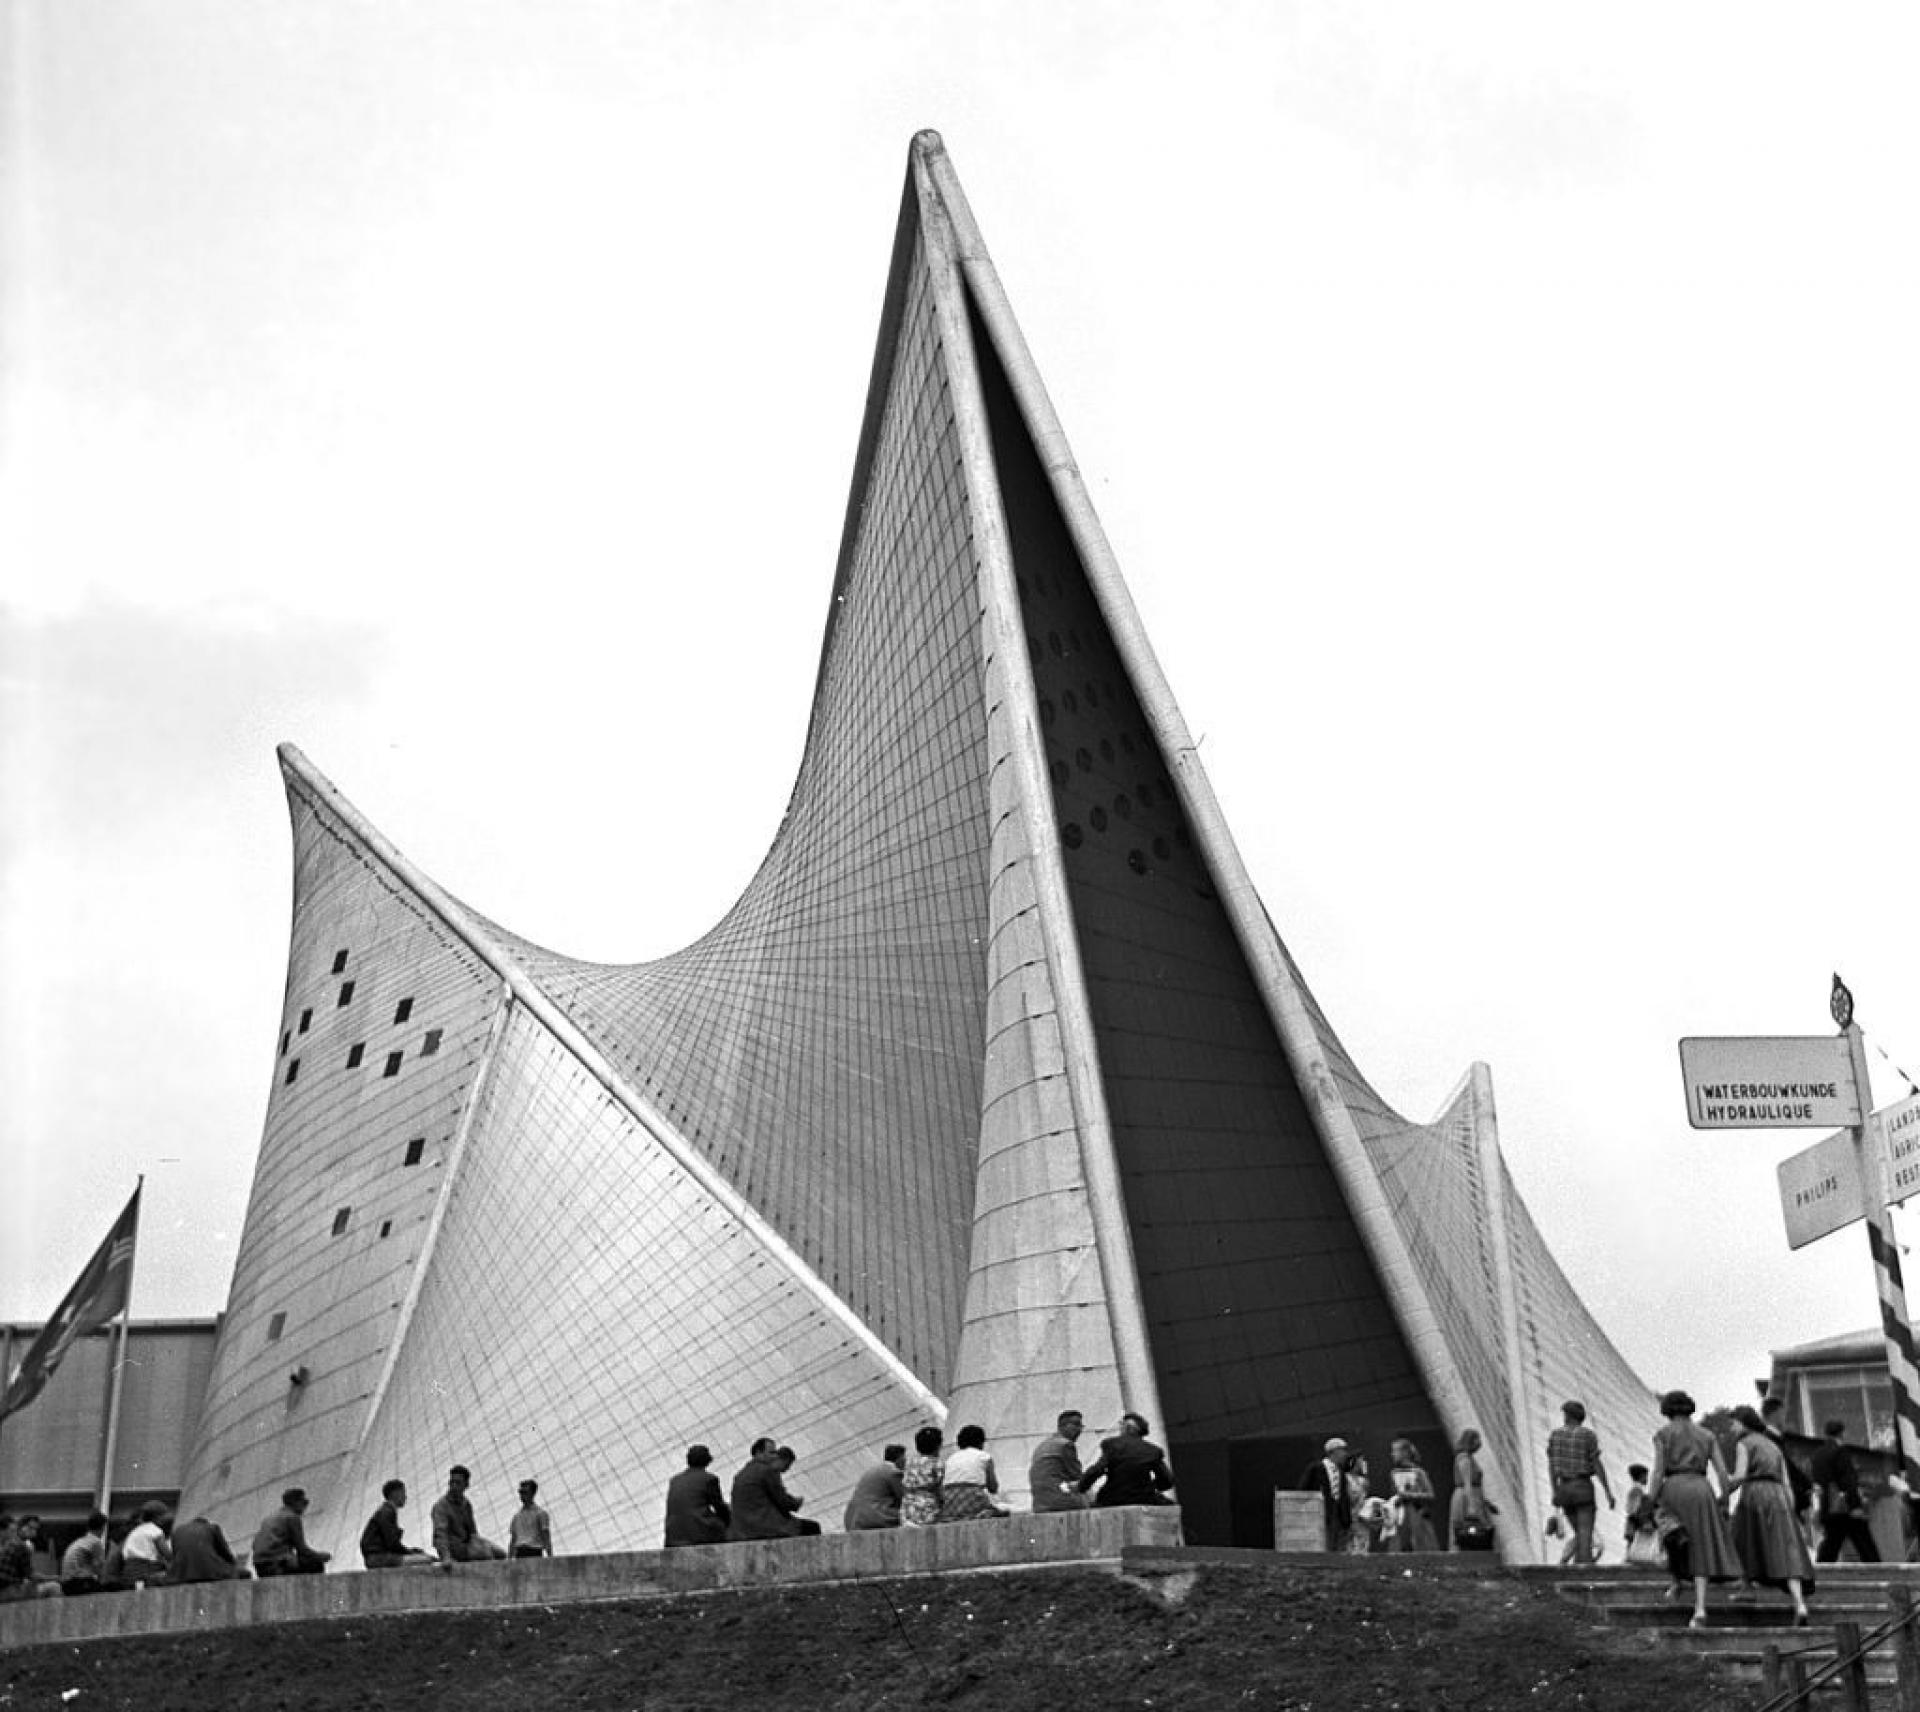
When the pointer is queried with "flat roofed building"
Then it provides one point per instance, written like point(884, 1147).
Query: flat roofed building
point(52, 1450)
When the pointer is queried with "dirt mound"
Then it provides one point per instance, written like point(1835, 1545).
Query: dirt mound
point(1278, 1639)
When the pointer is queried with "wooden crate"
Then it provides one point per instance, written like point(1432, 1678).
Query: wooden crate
point(1299, 1522)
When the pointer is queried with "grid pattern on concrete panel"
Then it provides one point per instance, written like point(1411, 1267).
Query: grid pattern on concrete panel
point(822, 1045)
point(1570, 1356)
point(590, 1312)
point(1261, 1301)
point(337, 1215)
point(1430, 1177)
point(1037, 1326)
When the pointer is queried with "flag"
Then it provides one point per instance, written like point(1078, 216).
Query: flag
point(99, 1293)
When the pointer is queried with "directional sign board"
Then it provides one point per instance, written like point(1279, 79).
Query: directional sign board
point(1899, 1130)
point(1769, 1082)
point(1820, 1189)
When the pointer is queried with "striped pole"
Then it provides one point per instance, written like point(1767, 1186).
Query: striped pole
point(1903, 1362)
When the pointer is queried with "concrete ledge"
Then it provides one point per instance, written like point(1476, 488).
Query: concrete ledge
point(1095, 1538)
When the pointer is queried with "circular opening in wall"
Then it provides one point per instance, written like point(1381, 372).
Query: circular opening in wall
point(1137, 861)
point(1099, 819)
point(1071, 835)
point(1060, 775)
point(1085, 758)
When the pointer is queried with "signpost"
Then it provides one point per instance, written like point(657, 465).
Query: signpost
point(1769, 1082)
point(1801, 1082)
point(1821, 1190)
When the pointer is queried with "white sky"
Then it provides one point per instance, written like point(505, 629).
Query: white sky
point(1504, 414)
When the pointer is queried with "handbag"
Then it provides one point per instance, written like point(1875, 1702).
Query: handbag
point(1643, 1551)
point(1473, 1534)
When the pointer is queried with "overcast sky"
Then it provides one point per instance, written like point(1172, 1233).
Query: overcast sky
point(1504, 415)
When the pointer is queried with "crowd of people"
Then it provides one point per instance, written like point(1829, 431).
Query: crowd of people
point(931, 1483)
point(1703, 1519)
point(155, 1549)
point(1752, 1520)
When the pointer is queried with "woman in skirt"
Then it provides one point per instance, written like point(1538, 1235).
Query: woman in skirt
point(1682, 1455)
point(1765, 1533)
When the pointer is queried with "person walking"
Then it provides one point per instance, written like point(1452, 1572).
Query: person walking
point(1413, 1500)
point(1470, 1512)
point(1328, 1476)
point(1842, 1510)
point(1683, 1453)
point(1772, 1549)
point(1574, 1465)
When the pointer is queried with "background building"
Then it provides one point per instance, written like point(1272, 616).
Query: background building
point(52, 1450)
point(995, 1093)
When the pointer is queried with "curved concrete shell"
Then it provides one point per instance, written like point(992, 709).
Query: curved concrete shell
point(995, 1093)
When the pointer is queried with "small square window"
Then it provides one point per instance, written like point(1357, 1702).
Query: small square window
point(339, 961)
point(346, 992)
point(415, 1149)
point(275, 1327)
point(386, 1227)
point(431, 1044)
point(293, 1070)
point(306, 1021)
point(356, 1052)
point(404, 1010)
point(393, 1064)
point(286, 1040)
point(340, 1220)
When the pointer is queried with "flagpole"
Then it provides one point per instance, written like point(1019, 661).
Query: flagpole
point(120, 1362)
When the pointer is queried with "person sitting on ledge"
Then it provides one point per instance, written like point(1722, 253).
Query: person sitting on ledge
point(1133, 1468)
point(696, 1513)
point(456, 1536)
point(763, 1508)
point(148, 1551)
point(83, 1565)
point(280, 1546)
point(969, 1483)
point(381, 1546)
point(876, 1495)
point(201, 1553)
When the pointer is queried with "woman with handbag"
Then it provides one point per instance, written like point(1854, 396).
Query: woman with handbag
point(1469, 1516)
point(1412, 1501)
point(1682, 1455)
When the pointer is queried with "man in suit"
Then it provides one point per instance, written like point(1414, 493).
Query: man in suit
point(696, 1513)
point(201, 1553)
point(1054, 1473)
point(1843, 1512)
point(1328, 1477)
point(763, 1508)
point(1132, 1469)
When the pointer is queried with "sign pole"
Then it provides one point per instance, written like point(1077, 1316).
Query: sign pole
point(1903, 1361)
